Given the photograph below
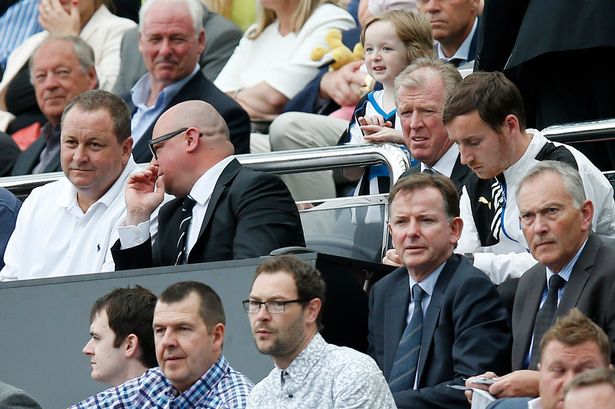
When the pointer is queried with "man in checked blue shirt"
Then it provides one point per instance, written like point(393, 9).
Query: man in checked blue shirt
point(193, 373)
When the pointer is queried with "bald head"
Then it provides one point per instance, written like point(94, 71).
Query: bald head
point(189, 138)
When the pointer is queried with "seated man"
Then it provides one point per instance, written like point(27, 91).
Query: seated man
point(188, 334)
point(593, 389)
point(485, 118)
point(573, 345)
point(9, 208)
point(436, 319)
point(13, 398)
point(223, 211)
point(60, 69)
point(67, 227)
point(285, 310)
point(222, 37)
point(171, 41)
point(574, 269)
point(121, 346)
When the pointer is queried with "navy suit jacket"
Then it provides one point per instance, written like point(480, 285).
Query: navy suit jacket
point(249, 214)
point(590, 289)
point(200, 88)
point(509, 403)
point(465, 332)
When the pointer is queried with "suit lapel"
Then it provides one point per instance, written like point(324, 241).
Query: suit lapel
point(528, 313)
point(395, 313)
point(225, 178)
point(433, 311)
point(579, 276)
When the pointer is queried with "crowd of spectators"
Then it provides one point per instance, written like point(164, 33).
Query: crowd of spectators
point(502, 239)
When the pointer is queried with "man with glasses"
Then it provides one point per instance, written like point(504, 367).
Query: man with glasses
point(285, 311)
point(222, 210)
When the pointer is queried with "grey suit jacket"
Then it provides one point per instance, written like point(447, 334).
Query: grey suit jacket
point(221, 38)
point(13, 398)
point(510, 403)
point(590, 289)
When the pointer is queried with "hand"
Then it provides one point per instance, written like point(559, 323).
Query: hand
point(516, 384)
point(144, 193)
point(377, 130)
point(344, 85)
point(56, 20)
point(471, 384)
point(391, 258)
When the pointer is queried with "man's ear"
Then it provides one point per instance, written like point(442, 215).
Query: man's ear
point(217, 334)
point(192, 139)
point(313, 309)
point(131, 346)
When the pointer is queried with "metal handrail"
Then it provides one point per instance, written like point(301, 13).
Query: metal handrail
point(282, 162)
point(583, 132)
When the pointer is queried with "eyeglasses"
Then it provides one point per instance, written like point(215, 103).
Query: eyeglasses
point(165, 137)
point(272, 307)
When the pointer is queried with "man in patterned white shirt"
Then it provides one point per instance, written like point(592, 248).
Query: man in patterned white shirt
point(285, 308)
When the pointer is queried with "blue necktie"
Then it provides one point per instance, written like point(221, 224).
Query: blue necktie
point(407, 356)
point(186, 215)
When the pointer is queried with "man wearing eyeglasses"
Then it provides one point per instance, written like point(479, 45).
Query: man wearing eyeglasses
point(222, 210)
point(285, 310)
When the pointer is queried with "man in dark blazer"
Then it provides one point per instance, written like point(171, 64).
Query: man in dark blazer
point(173, 74)
point(239, 212)
point(464, 324)
point(222, 36)
point(556, 221)
point(13, 398)
point(53, 93)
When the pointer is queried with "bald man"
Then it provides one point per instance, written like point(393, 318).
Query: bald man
point(222, 210)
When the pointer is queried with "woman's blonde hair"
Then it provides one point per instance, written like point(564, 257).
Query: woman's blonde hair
point(222, 7)
point(302, 13)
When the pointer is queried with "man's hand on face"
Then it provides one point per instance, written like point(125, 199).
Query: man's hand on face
point(144, 193)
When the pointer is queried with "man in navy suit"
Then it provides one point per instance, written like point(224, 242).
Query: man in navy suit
point(454, 322)
point(171, 40)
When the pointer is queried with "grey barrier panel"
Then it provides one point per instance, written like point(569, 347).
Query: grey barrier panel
point(45, 324)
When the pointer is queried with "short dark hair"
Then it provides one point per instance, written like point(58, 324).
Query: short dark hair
point(592, 377)
point(98, 99)
point(130, 311)
point(575, 329)
point(308, 280)
point(444, 185)
point(211, 309)
point(491, 94)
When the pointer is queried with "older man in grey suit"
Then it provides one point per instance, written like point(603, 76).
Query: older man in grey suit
point(13, 398)
point(222, 38)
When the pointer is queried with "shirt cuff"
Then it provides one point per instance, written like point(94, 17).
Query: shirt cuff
point(132, 236)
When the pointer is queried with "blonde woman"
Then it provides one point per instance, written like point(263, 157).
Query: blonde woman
point(240, 12)
point(272, 62)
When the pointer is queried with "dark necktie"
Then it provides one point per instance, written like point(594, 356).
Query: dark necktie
point(429, 171)
point(186, 217)
point(407, 355)
point(545, 317)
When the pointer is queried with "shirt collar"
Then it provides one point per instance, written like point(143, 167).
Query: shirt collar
point(204, 186)
point(428, 283)
point(463, 52)
point(535, 404)
point(67, 196)
point(51, 133)
point(567, 269)
point(140, 91)
point(300, 367)
point(519, 168)
point(446, 163)
point(203, 385)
